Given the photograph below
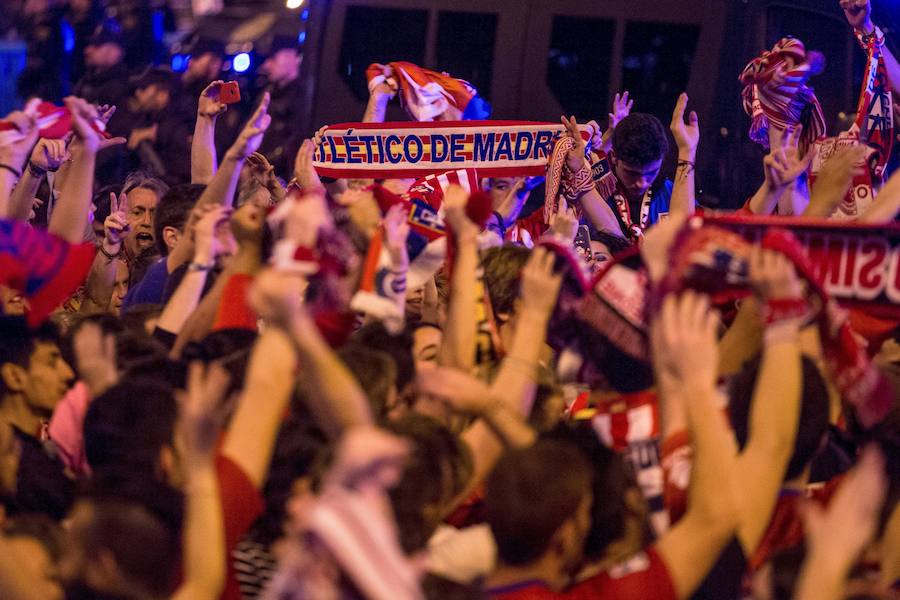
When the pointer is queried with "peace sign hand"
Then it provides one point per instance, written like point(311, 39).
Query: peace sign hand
point(575, 157)
point(116, 226)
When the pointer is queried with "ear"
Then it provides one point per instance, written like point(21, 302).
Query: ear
point(171, 235)
point(13, 376)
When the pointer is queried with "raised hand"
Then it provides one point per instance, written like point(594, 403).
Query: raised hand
point(454, 204)
point(278, 297)
point(208, 104)
point(202, 410)
point(784, 164)
point(15, 145)
point(83, 116)
point(858, 14)
point(369, 459)
point(575, 156)
point(396, 231)
point(621, 108)
point(304, 171)
point(207, 244)
point(684, 340)
point(540, 283)
point(251, 136)
point(116, 227)
point(385, 87)
point(687, 135)
point(837, 535)
point(834, 179)
point(49, 155)
point(95, 358)
point(564, 223)
point(773, 276)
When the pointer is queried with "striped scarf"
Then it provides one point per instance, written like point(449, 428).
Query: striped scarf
point(775, 92)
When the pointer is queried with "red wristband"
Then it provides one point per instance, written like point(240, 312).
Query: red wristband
point(785, 309)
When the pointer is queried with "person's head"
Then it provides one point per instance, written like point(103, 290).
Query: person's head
point(499, 189)
point(12, 302)
point(376, 373)
point(427, 339)
point(229, 348)
point(639, 145)
point(120, 288)
point(38, 541)
point(144, 193)
point(604, 246)
point(533, 521)
point(502, 272)
point(813, 421)
point(399, 347)
point(123, 542)
point(172, 215)
point(437, 470)
point(153, 90)
point(282, 66)
point(205, 63)
point(104, 49)
point(132, 426)
point(33, 374)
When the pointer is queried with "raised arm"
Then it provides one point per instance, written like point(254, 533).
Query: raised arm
point(458, 346)
point(221, 187)
point(336, 399)
point(15, 145)
point(687, 136)
point(833, 181)
point(886, 205)
point(70, 216)
point(47, 156)
point(102, 276)
point(203, 145)
point(782, 166)
point(187, 296)
point(775, 408)
point(597, 210)
point(200, 417)
point(859, 16)
point(835, 537)
point(683, 337)
point(379, 96)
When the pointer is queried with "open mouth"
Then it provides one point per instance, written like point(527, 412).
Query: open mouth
point(144, 239)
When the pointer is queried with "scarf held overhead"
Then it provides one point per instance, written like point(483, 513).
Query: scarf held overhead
point(402, 149)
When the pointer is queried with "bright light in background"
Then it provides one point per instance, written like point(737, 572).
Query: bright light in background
point(294, 3)
point(301, 38)
point(241, 62)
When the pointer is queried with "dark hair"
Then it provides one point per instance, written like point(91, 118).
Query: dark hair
point(173, 211)
point(438, 469)
point(523, 511)
point(640, 139)
point(229, 347)
point(399, 347)
point(18, 342)
point(141, 527)
point(40, 528)
point(813, 421)
point(375, 371)
point(502, 270)
point(128, 425)
point(613, 243)
point(786, 564)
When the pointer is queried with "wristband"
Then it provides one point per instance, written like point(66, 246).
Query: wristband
point(784, 309)
point(195, 266)
point(110, 257)
point(876, 38)
point(578, 183)
point(685, 163)
point(12, 170)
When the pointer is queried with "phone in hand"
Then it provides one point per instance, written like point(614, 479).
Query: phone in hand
point(229, 92)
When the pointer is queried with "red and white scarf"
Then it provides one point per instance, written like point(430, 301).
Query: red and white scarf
point(398, 150)
point(873, 127)
point(775, 91)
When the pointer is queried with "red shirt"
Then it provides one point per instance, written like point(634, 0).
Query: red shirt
point(643, 576)
point(242, 504)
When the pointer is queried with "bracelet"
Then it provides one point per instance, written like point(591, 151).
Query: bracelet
point(110, 257)
point(18, 174)
point(195, 266)
point(875, 38)
point(685, 163)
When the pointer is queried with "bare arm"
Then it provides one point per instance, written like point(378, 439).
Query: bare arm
point(775, 408)
point(203, 145)
point(70, 215)
point(886, 205)
point(200, 417)
point(458, 346)
point(687, 136)
point(14, 149)
point(683, 338)
point(379, 96)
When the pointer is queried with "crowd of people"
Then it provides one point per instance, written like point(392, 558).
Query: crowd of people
point(226, 375)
